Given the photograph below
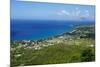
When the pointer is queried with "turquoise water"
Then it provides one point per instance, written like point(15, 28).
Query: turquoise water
point(34, 30)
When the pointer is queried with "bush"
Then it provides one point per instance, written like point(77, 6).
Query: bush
point(87, 55)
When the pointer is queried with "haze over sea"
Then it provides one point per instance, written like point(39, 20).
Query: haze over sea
point(40, 29)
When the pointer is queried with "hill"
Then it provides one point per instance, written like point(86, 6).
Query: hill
point(69, 47)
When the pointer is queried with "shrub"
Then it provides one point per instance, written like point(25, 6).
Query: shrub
point(87, 55)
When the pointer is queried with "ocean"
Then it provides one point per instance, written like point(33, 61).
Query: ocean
point(39, 29)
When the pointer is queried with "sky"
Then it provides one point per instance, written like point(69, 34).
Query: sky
point(21, 10)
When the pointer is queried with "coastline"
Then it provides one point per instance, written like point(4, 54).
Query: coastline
point(59, 34)
point(57, 47)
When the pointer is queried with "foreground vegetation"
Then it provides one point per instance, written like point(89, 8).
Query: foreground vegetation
point(79, 47)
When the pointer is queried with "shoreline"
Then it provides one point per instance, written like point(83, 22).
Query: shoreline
point(46, 38)
point(39, 44)
point(65, 46)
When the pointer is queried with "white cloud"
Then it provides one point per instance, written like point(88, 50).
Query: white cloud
point(87, 13)
point(75, 14)
point(63, 12)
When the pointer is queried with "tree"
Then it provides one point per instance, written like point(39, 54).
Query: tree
point(87, 55)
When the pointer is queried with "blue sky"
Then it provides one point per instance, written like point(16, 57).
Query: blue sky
point(21, 10)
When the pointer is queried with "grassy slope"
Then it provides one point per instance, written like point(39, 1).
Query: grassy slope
point(59, 53)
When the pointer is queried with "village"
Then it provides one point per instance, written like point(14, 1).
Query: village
point(67, 42)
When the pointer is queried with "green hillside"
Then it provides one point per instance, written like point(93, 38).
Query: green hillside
point(79, 47)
